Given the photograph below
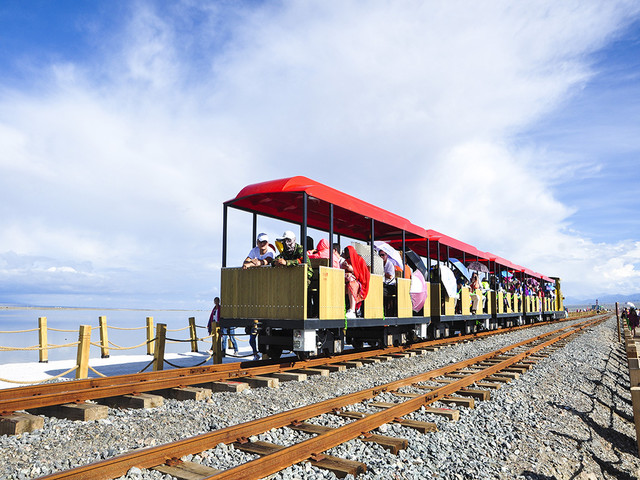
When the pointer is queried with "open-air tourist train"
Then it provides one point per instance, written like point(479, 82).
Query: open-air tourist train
point(308, 317)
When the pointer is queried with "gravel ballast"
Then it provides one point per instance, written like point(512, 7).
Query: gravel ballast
point(569, 417)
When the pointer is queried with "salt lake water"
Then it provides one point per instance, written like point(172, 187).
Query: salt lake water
point(23, 318)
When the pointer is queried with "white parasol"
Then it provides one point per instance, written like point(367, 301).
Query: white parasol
point(393, 254)
point(631, 304)
point(448, 280)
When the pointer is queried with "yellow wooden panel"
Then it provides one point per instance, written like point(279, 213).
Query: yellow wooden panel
point(374, 304)
point(500, 299)
point(450, 305)
point(517, 303)
point(509, 302)
point(491, 298)
point(405, 308)
point(465, 300)
point(332, 293)
point(265, 292)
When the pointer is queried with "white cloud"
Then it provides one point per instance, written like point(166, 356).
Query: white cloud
point(123, 161)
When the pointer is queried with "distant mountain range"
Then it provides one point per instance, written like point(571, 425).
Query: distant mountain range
point(604, 299)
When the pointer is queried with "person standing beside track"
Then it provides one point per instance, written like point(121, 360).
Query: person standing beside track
point(214, 321)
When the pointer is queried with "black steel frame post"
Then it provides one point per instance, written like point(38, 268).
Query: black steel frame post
point(224, 236)
point(373, 239)
point(331, 235)
point(303, 230)
point(255, 230)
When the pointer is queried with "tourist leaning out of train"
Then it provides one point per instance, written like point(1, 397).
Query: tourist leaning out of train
point(356, 279)
point(292, 254)
point(260, 255)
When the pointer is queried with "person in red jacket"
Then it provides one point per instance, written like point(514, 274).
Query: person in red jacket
point(356, 278)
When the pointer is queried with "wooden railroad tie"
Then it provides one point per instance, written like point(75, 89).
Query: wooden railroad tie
point(394, 445)
point(381, 358)
point(351, 364)
point(423, 427)
point(74, 411)
point(187, 470)
point(339, 466)
point(140, 400)
point(223, 386)
point(185, 393)
point(464, 392)
point(260, 381)
point(289, 376)
point(448, 413)
point(369, 361)
point(312, 371)
point(19, 422)
point(332, 368)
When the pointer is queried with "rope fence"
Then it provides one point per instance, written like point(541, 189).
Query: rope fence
point(155, 342)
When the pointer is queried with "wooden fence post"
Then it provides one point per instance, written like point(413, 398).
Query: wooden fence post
point(44, 342)
point(635, 402)
point(83, 351)
point(150, 345)
point(618, 321)
point(215, 341)
point(194, 337)
point(161, 336)
point(104, 338)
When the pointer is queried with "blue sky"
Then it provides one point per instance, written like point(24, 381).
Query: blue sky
point(124, 125)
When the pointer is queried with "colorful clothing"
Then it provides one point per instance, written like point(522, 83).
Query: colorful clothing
point(358, 281)
point(296, 258)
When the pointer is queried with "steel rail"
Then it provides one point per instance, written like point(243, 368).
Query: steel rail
point(276, 461)
point(76, 391)
point(153, 456)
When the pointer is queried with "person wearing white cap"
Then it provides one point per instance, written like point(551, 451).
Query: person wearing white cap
point(292, 253)
point(260, 255)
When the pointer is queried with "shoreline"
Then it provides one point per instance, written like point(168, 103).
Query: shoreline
point(24, 307)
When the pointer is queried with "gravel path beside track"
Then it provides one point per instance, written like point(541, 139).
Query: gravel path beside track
point(569, 417)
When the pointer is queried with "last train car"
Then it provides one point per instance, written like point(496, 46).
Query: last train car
point(309, 319)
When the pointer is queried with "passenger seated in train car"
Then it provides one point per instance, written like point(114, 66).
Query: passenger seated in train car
point(292, 254)
point(389, 283)
point(407, 269)
point(337, 259)
point(474, 285)
point(356, 279)
point(321, 251)
point(260, 255)
point(486, 289)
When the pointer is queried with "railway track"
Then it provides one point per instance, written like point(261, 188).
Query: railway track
point(485, 371)
point(79, 391)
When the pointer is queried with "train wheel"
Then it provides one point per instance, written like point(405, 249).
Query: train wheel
point(302, 355)
point(274, 352)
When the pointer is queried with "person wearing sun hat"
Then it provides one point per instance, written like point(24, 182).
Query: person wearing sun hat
point(292, 253)
point(260, 255)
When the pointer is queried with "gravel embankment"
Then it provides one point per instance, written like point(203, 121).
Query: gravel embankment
point(570, 417)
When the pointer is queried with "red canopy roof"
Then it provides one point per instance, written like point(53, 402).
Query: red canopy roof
point(282, 199)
